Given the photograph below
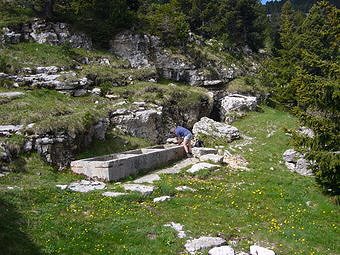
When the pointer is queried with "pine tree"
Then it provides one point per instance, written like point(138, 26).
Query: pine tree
point(317, 86)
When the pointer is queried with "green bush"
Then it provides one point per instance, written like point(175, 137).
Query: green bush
point(3, 63)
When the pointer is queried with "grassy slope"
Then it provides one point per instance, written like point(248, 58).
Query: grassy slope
point(51, 110)
point(262, 205)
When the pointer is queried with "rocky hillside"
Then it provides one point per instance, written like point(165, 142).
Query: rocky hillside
point(58, 94)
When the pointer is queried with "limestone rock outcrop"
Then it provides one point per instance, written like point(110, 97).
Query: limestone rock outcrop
point(215, 129)
point(143, 50)
point(143, 123)
point(51, 77)
point(56, 148)
point(41, 31)
point(235, 105)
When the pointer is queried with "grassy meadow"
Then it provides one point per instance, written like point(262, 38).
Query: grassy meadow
point(267, 205)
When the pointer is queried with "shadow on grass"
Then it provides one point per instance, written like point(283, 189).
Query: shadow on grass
point(12, 239)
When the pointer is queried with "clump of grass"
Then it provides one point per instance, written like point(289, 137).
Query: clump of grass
point(29, 54)
point(102, 74)
point(33, 54)
point(12, 14)
point(161, 93)
point(52, 111)
point(95, 55)
point(247, 85)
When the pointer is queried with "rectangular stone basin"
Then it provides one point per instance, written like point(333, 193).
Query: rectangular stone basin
point(121, 165)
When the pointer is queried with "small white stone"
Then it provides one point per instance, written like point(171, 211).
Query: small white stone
point(145, 190)
point(200, 166)
point(113, 194)
point(185, 188)
point(60, 186)
point(222, 250)
point(257, 250)
point(161, 199)
point(177, 227)
point(96, 91)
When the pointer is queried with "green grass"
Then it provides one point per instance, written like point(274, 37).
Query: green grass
point(109, 74)
point(261, 205)
point(33, 55)
point(10, 16)
point(246, 85)
point(161, 93)
point(53, 111)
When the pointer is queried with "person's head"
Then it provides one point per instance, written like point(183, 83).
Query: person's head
point(173, 130)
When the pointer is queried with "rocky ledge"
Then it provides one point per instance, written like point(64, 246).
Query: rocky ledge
point(41, 31)
point(143, 50)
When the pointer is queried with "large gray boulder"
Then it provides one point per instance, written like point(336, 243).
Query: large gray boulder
point(215, 129)
point(235, 105)
point(296, 162)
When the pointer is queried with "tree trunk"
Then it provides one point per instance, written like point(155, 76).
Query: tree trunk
point(48, 9)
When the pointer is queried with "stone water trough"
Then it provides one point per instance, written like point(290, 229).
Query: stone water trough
point(121, 165)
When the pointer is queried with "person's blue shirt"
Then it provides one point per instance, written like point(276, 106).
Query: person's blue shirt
point(182, 132)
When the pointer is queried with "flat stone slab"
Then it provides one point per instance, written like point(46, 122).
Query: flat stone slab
point(86, 186)
point(200, 166)
point(113, 194)
point(258, 250)
point(212, 157)
point(143, 189)
point(178, 228)
point(179, 166)
point(150, 178)
point(185, 188)
point(200, 151)
point(222, 250)
point(204, 242)
point(161, 199)
point(12, 95)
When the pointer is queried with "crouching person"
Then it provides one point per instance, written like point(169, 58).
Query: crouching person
point(184, 137)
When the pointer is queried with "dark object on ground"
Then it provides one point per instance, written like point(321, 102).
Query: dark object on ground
point(199, 143)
